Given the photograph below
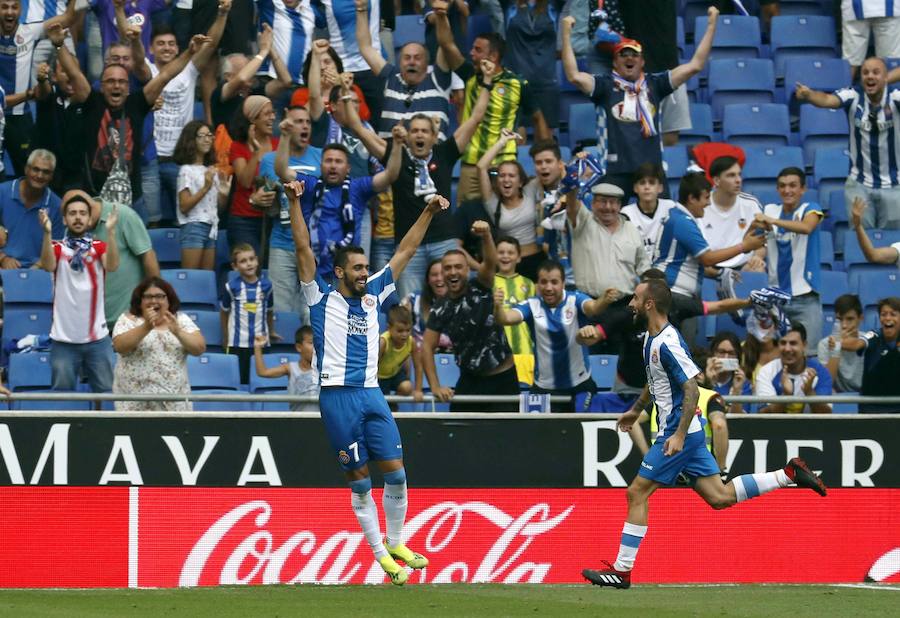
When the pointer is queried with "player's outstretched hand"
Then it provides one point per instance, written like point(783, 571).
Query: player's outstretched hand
point(674, 444)
point(443, 394)
point(627, 420)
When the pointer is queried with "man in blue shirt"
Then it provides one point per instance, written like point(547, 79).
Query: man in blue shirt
point(793, 374)
point(20, 202)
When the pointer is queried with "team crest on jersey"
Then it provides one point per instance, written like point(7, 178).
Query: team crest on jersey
point(569, 314)
point(501, 90)
point(654, 357)
point(20, 40)
point(343, 457)
point(742, 223)
point(368, 301)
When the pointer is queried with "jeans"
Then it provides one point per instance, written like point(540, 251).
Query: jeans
point(245, 229)
point(94, 47)
point(67, 360)
point(150, 213)
point(168, 190)
point(286, 283)
point(412, 278)
point(382, 252)
point(807, 310)
point(884, 205)
point(195, 235)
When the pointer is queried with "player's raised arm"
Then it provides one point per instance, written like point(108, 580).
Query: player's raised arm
point(306, 260)
point(410, 243)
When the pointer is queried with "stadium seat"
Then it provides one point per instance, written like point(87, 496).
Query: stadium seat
point(836, 219)
point(763, 164)
point(873, 285)
point(603, 370)
point(827, 320)
point(267, 405)
point(196, 289)
point(763, 126)
point(826, 74)
point(701, 130)
point(286, 324)
point(767, 196)
point(27, 288)
point(582, 125)
point(29, 371)
point(67, 404)
point(801, 36)
point(822, 128)
point(220, 406)
point(525, 160)
point(832, 284)
point(675, 161)
point(679, 36)
point(845, 408)
point(447, 369)
point(263, 385)
point(210, 325)
point(856, 263)
point(28, 321)
point(214, 371)
point(408, 29)
point(737, 36)
point(830, 169)
point(167, 245)
point(750, 80)
point(826, 248)
point(691, 11)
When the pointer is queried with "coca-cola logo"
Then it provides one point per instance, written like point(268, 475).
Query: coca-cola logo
point(258, 558)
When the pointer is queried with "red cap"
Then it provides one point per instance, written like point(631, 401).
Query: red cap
point(628, 44)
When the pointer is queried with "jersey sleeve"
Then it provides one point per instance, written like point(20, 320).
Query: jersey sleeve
point(688, 234)
point(525, 310)
point(824, 384)
point(677, 362)
point(382, 285)
point(603, 85)
point(580, 299)
point(361, 191)
point(765, 380)
point(847, 96)
point(661, 84)
point(314, 291)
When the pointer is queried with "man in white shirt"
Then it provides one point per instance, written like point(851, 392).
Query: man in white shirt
point(730, 212)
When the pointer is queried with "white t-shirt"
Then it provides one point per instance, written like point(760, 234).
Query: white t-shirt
point(726, 228)
point(192, 178)
point(177, 109)
point(649, 227)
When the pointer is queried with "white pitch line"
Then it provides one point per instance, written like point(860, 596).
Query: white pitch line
point(890, 587)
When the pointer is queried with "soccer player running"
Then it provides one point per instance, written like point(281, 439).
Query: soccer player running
point(680, 444)
point(345, 338)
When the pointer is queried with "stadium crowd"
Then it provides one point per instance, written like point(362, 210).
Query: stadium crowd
point(585, 146)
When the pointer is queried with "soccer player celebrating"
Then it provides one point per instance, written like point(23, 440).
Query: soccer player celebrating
point(345, 337)
point(680, 444)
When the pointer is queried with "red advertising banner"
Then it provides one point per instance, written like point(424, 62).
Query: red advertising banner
point(165, 537)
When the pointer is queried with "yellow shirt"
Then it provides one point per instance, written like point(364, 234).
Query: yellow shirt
point(706, 395)
point(390, 363)
point(507, 95)
point(384, 223)
point(515, 290)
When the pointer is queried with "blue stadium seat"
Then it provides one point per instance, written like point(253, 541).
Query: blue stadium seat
point(692, 9)
point(478, 24)
point(447, 369)
point(856, 263)
point(679, 36)
point(214, 371)
point(701, 130)
point(582, 125)
point(803, 36)
point(675, 161)
point(286, 324)
point(34, 405)
point(749, 80)
point(28, 321)
point(210, 325)
point(822, 128)
point(603, 370)
point(763, 164)
point(263, 385)
point(167, 245)
point(275, 406)
point(737, 36)
point(27, 287)
point(408, 29)
point(764, 126)
point(837, 214)
point(873, 285)
point(826, 74)
point(196, 289)
point(830, 169)
point(893, 63)
point(833, 284)
point(827, 320)
point(845, 408)
point(525, 160)
point(767, 196)
point(29, 371)
point(826, 248)
point(220, 406)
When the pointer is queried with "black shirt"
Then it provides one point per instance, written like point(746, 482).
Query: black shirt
point(882, 366)
point(466, 214)
point(479, 342)
point(96, 123)
point(410, 194)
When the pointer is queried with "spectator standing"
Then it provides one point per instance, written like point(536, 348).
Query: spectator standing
point(105, 11)
point(864, 20)
point(466, 315)
point(730, 214)
point(296, 129)
point(877, 255)
point(515, 288)
point(21, 202)
point(52, 93)
point(510, 100)
point(303, 379)
point(79, 335)
point(543, 190)
point(630, 99)
point(202, 192)
point(293, 23)
point(839, 351)
point(396, 352)
point(723, 371)
point(420, 303)
point(874, 115)
point(330, 68)
point(153, 339)
point(793, 250)
point(882, 357)
point(793, 374)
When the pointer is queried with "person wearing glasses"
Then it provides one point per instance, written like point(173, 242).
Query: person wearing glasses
point(153, 340)
point(723, 369)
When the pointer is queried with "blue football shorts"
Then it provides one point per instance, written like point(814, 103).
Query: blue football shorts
point(694, 460)
point(359, 425)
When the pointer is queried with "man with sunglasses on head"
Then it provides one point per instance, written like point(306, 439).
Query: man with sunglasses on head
point(630, 100)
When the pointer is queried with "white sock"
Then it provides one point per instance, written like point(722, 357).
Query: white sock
point(367, 515)
point(632, 535)
point(394, 502)
point(749, 486)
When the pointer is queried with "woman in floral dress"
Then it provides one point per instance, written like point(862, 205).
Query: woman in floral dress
point(153, 340)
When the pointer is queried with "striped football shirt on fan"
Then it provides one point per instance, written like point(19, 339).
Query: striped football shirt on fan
point(794, 258)
point(874, 131)
point(292, 34)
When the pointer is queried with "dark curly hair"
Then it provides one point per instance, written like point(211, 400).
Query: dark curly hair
point(186, 147)
point(153, 282)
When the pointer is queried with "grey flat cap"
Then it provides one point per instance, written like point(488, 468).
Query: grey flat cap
point(607, 189)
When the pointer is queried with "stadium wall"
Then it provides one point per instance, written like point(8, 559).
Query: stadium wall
point(164, 502)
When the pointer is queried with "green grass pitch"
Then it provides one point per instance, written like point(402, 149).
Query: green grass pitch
point(795, 601)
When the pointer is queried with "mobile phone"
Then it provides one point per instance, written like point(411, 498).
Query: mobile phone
point(729, 364)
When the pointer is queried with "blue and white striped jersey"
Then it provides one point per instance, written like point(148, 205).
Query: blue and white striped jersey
point(16, 52)
point(852, 10)
point(341, 18)
point(874, 131)
point(247, 305)
point(40, 10)
point(680, 244)
point(794, 263)
point(669, 365)
point(560, 363)
point(292, 33)
point(345, 330)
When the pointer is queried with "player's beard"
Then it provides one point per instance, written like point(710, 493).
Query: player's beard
point(640, 321)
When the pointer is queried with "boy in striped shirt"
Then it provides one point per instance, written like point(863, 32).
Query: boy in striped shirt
point(515, 289)
point(246, 307)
